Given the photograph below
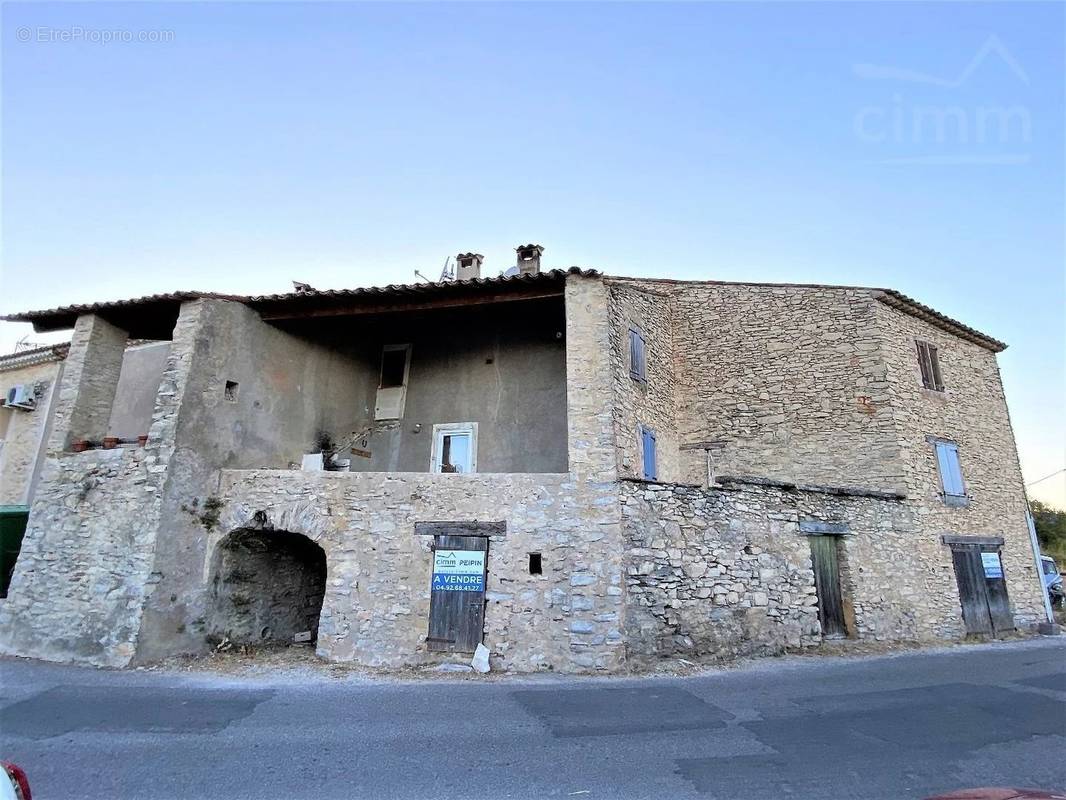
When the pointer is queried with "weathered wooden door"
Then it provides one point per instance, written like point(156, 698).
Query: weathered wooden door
point(982, 588)
point(457, 593)
point(827, 584)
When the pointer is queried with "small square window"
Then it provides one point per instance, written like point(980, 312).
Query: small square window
point(230, 392)
point(638, 369)
point(929, 363)
point(535, 566)
point(393, 367)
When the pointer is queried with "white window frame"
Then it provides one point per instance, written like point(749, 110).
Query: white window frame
point(391, 400)
point(437, 449)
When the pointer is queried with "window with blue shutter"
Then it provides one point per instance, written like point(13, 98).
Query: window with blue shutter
point(947, 459)
point(647, 440)
point(637, 359)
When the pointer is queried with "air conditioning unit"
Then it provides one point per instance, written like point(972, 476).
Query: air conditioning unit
point(23, 396)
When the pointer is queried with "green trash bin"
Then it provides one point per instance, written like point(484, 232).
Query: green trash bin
point(12, 527)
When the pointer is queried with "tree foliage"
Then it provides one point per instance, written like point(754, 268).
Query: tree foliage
point(1050, 526)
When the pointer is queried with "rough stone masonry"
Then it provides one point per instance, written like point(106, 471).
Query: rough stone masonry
point(778, 413)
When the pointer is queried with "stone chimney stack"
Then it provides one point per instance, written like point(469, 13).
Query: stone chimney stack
point(468, 266)
point(529, 258)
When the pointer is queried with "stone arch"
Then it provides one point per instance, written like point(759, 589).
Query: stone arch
point(305, 518)
point(266, 585)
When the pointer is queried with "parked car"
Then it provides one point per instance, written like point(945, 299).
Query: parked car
point(13, 783)
point(1052, 582)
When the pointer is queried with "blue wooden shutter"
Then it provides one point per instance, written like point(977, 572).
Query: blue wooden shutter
point(636, 355)
point(648, 445)
point(947, 457)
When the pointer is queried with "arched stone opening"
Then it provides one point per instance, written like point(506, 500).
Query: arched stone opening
point(266, 586)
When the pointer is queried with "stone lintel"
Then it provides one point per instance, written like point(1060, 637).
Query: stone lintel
point(815, 527)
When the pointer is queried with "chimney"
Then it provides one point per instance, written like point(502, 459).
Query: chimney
point(529, 258)
point(468, 266)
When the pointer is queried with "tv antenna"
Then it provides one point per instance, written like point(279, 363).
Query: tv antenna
point(445, 273)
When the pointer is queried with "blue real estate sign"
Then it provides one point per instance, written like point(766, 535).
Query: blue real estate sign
point(459, 571)
point(993, 566)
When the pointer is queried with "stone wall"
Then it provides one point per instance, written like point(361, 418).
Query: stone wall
point(652, 403)
point(285, 387)
point(727, 571)
point(86, 568)
point(376, 606)
point(86, 560)
point(90, 378)
point(971, 411)
point(789, 380)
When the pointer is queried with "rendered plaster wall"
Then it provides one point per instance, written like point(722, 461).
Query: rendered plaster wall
point(727, 571)
point(971, 411)
point(501, 367)
point(288, 388)
point(22, 433)
point(138, 384)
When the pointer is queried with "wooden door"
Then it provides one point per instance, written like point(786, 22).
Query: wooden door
point(982, 589)
point(457, 593)
point(827, 584)
point(972, 593)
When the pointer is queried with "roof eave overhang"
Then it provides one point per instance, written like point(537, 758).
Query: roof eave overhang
point(415, 297)
point(154, 317)
point(908, 305)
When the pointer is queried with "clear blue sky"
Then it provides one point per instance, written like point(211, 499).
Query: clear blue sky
point(345, 144)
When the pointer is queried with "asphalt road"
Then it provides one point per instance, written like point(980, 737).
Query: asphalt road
point(902, 726)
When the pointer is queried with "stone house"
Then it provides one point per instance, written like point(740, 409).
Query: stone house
point(581, 471)
point(28, 392)
point(27, 382)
